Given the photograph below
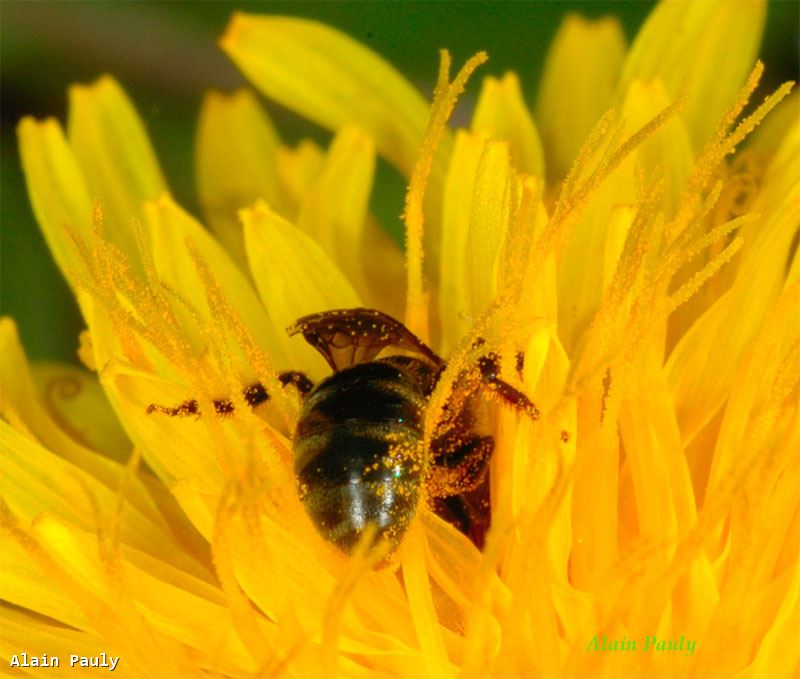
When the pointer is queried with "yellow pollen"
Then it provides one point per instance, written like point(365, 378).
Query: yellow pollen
point(444, 99)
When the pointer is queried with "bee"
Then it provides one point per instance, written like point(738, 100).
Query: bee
point(359, 453)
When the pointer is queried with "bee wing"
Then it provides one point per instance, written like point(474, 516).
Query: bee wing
point(347, 337)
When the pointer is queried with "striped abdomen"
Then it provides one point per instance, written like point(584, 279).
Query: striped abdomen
point(358, 453)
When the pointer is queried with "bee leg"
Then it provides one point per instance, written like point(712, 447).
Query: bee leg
point(254, 395)
point(469, 513)
point(300, 381)
point(460, 470)
point(190, 407)
point(222, 406)
point(489, 368)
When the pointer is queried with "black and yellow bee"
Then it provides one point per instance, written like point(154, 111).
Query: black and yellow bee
point(358, 445)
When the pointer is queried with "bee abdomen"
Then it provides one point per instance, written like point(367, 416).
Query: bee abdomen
point(358, 454)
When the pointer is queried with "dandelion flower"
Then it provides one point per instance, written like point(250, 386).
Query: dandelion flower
point(634, 238)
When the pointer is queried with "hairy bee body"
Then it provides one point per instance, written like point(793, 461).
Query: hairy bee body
point(358, 451)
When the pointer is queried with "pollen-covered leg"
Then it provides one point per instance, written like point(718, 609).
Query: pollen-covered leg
point(459, 470)
point(489, 367)
point(222, 406)
point(254, 395)
point(470, 513)
point(299, 380)
point(190, 407)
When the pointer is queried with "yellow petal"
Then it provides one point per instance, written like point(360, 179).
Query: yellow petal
point(112, 148)
point(170, 227)
point(451, 560)
point(53, 642)
point(538, 291)
point(334, 210)
point(25, 631)
point(491, 210)
point(580, 270)
point(752, 594)
point(299, 168)
point(23, 584)
point(419, 192)
point(38, 415)
point(165, 595)
point(782, 172)
point(649, 432)
point(302, 585)
point(329, 78)
point(189, 458)
point(702, 365)
point(701, 49)
point(71, 556)
point(596, 529)
point(477, 204)
point(384, 268)
point(770, 135)
point(294, 277)
point(778, 649)
point(501, 113)
point(619, 224)
point(456, 211)
point(420, 601)
point(578, 83)
point(764, 383)
point(759, 181)
point(37, 482)
point(667, 153)
point(236, 164)
point(531, 475)
point(57, 188)
point(75, 399)
point(333, 80)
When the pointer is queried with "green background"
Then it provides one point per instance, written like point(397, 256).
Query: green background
point(165, 55)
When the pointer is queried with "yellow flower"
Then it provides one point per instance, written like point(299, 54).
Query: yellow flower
point(624, 238)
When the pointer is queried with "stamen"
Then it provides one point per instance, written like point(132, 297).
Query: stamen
point(221, 309)
point(689, 288)
point(721, 145)
point(628, 146)
point(127, 478)
point(366, 555)
point(584, 154)
point(244, 616)
point(420, 600)
point(754, 119)
point(444, 99)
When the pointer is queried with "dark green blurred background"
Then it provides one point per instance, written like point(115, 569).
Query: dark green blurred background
point(165, 55)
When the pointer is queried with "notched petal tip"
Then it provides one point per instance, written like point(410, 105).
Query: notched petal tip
point(294, 277)
point(103, 83)
point(163, 201)
point(501, 112)
point(236, 26)
point(27, 123)
point(584, 60)
point(56, 187)
point(110, 143)
point(689, 45)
